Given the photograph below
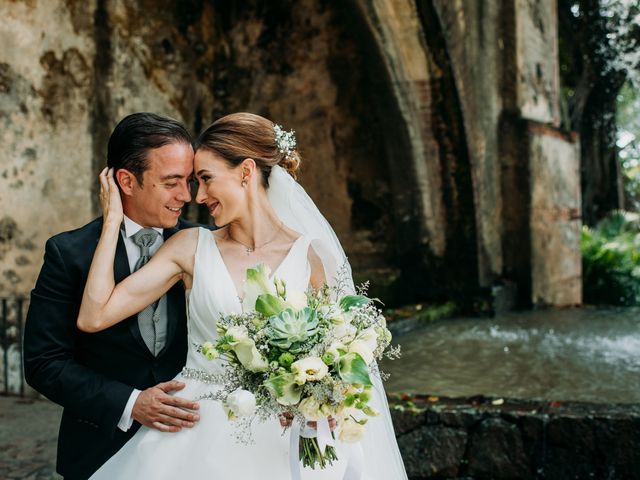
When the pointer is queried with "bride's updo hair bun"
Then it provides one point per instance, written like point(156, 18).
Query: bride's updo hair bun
point(291, 163)
point(238, 136)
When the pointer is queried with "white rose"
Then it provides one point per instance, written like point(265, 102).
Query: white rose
point(309, 369)
point(240, 403)
point(370, 337)
point(297, 299)
point(350, 431)
point(369, 334)
point(311, 409)
point(344, 332)
point(333, 313)
point(363, 349)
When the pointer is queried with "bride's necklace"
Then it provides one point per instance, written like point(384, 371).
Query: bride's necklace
point(249, 249)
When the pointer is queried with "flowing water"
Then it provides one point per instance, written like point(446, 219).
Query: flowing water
point(590, 355)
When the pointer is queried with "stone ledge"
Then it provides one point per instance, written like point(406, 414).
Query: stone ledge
point(483, 438)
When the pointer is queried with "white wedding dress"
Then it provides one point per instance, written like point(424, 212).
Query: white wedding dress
point(210, 450)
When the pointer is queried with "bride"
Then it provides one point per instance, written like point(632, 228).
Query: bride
point(245, 167)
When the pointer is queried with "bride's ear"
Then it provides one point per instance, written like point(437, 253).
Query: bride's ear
point(248, 169)
point(125, 179)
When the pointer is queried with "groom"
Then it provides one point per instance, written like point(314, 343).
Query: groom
point(112, 381)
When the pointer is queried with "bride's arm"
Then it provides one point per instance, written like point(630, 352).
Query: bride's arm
point(104, 303)
point(318, 277)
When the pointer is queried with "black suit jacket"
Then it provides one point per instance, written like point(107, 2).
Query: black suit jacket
point(92, 375)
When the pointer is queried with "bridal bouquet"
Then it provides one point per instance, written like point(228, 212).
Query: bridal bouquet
point(309, 354)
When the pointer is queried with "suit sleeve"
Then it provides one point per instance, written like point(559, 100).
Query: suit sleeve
point(49, 341)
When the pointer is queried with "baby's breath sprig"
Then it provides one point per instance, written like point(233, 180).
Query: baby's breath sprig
point(285, 141)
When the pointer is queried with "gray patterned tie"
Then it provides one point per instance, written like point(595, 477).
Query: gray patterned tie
point(147, 318)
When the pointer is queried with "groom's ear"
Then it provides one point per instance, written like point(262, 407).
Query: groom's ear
point(125, 180)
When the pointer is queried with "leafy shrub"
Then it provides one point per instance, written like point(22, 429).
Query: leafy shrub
point(611, 260)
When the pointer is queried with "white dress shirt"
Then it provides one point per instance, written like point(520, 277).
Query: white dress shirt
point(133, 254)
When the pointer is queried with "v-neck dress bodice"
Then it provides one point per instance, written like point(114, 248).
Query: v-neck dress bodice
point(214, 294)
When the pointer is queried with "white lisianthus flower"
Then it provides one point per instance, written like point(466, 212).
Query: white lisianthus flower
point(296, 299)
point(309, 369)
point(363, 349)
point(240, 403)
point(350, 431)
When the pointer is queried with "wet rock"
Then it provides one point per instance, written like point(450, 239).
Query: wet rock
point(406, 420)
point(618, 441)
point(496, 451)
point(571, 432)
point(520, 440)
point(433, 451)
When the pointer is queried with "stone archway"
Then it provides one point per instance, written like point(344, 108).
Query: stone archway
point(406, 113)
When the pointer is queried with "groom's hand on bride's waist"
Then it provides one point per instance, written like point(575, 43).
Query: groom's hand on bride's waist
point(155, 408)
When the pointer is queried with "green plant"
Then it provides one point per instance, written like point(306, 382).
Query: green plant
point(611, 260)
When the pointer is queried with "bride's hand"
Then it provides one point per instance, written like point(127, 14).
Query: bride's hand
point(332, 424)
point(286, 419)
point(110, 198)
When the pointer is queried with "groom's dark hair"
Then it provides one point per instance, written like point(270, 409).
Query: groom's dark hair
point(138, 133)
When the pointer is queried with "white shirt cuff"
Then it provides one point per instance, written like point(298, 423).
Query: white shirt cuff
point(126, 420)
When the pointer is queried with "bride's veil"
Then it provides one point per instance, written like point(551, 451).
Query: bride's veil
point(298, 212)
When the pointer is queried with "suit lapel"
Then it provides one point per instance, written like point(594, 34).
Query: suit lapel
point(120, 272)
point(174, 303)
point(121, 265)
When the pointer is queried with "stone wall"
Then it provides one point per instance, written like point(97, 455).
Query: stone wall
point(70, 70)
point(555, 223)
point(474, 40)
point(496, 439)
point(45, 162)
point(409, 116)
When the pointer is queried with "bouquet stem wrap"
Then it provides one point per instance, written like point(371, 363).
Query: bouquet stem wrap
point(355, 465)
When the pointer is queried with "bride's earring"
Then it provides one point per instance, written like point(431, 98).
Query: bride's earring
point(244, 182)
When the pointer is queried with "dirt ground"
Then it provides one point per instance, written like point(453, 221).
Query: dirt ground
point(28, 435)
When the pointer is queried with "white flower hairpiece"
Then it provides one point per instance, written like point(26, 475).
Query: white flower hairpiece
point(285, 141)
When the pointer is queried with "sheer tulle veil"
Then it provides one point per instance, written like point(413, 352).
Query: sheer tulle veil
point(297, 211)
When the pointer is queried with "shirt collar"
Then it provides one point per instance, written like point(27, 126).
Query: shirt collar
point(131, 227)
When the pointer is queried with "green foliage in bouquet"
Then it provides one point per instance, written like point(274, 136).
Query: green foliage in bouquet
point(611, 260)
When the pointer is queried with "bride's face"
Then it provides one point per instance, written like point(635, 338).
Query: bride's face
point(219, 187)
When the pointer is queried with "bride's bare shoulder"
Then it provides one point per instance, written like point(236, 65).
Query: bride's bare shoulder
point(182, 244)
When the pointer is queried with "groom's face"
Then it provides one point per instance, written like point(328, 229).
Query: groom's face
point(158, 201)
